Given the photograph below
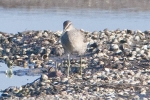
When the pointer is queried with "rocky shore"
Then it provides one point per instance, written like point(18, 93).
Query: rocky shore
point(115, 66)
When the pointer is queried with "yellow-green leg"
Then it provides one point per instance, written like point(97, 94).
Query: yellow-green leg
point(80, 65)
point(68, 65)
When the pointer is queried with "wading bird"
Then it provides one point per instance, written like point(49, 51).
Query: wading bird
point(73, 40)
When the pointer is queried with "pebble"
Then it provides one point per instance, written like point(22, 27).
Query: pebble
point(44, 77)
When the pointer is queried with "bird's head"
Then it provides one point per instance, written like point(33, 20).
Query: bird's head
point(67, 25)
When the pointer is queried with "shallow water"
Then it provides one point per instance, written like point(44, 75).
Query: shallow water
point(18, 19)
point(13, 80)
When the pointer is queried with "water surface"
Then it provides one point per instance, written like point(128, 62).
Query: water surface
point(17, 20)
point(14, 80)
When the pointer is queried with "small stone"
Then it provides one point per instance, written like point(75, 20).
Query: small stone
point(5, 95)
point(63, 93)
point(43, 83)
point(136, 97)
point(107, 69)
point(44, 77)
point(86, 88)
point(145, 98)
point(143, 91)
point(64, 80)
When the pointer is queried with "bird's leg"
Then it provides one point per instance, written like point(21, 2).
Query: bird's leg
point(80, 65)
point(68, 65)
point(55, 66)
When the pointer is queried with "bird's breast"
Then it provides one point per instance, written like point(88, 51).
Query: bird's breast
point(73, 41)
